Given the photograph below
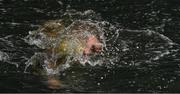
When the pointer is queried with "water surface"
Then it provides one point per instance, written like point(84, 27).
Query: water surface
point(142, 46)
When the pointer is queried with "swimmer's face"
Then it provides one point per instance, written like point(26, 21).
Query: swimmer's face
point(93, 45)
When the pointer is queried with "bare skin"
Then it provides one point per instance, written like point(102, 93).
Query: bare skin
point(92, 45)
point(53, 83)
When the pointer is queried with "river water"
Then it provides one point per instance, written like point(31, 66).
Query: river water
point(142, 46)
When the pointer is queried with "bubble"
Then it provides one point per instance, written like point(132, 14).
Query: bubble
point(102, 78)
point(98, 84)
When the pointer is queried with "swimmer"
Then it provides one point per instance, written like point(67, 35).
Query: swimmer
point(61, 40)
point(80, 38)
point(77, 39)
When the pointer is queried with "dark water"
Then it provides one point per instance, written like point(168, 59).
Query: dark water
point(149, 28)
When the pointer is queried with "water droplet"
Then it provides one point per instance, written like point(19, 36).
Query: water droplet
point(102, 78)
point(98, 84)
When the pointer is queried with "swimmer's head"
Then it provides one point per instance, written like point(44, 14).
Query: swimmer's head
point(89, 34)
point(75, 47)
point(80, 38)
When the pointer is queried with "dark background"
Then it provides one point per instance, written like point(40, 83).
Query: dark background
point(18, 17)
